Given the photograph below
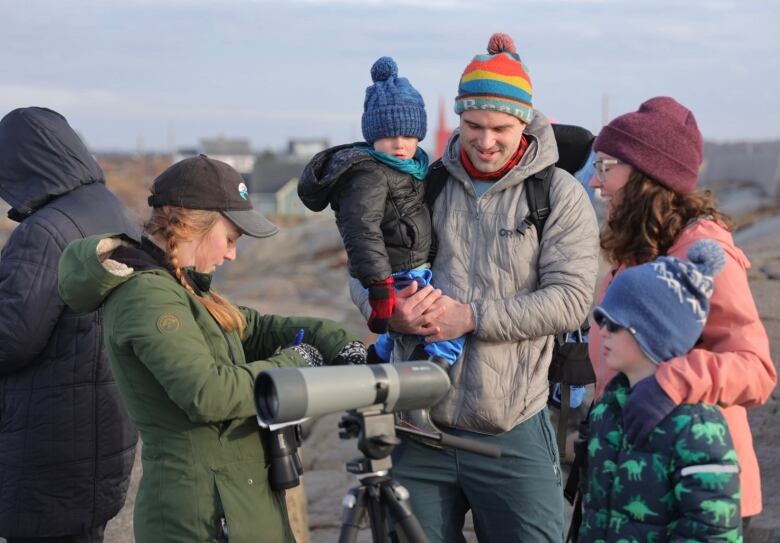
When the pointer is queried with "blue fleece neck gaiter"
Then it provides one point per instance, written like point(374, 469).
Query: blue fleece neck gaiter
point(416, 166)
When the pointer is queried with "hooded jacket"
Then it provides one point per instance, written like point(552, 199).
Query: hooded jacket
point(523, 291)
point(681, 486)
point(731, 366)
point(380, 211)
point(189, 388)
point(66, 443)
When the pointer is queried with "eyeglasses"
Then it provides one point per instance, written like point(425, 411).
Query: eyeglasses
point(601, 168)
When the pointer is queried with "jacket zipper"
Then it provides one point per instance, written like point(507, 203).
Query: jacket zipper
point(472, 258)
point(225, 423)
point(229, 346)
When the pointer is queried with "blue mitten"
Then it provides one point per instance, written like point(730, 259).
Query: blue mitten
point(646, 407)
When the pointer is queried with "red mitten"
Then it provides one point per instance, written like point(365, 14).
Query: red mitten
point(381, 296)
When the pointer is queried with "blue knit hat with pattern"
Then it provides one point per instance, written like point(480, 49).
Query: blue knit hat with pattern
point(392, 106)
point(664, 303)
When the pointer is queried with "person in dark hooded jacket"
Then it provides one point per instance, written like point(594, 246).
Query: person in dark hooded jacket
point(66, 443)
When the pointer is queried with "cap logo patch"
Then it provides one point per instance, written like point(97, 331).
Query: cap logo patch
point(242, 191)
point(168, 323)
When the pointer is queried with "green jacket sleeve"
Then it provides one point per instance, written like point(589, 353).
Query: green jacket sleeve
point(157, 323)
point(265, 334)
point(705, 478)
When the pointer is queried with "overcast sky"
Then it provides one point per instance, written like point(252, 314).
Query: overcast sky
point(162, 73)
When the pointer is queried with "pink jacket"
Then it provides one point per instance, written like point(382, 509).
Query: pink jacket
point(731, 367)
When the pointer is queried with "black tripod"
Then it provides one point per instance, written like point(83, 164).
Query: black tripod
point(378, 494)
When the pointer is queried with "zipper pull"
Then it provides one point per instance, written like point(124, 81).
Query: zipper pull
point(523, 226)
point(223, 528)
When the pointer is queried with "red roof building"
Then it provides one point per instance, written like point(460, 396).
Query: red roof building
point(442, 132)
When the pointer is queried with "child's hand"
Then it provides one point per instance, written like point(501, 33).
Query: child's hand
point(381, 296)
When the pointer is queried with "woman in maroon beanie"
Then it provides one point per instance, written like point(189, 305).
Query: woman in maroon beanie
point(646, 169)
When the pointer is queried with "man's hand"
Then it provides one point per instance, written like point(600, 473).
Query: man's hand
point(454, 319)
point(413, 314)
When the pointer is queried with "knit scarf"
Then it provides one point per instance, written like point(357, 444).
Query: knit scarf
point(477, 175)
point(416, 166)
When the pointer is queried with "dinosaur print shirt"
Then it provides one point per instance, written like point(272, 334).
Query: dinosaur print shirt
point(682, 485)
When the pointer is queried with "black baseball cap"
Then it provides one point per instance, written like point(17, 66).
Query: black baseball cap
point(201, 182)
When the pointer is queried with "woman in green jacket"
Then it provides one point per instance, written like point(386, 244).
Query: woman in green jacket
point(186, 359)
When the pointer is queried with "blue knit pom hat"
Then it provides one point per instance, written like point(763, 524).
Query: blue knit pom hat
point(392, 106)
point(664, 303)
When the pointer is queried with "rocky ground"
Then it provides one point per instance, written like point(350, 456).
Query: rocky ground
point(301, 272)
point(764, 253)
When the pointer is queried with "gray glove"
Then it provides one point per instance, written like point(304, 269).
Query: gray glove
point(310, 354)
point(353, 352)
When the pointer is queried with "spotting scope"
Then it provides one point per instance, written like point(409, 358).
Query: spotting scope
point(290, 394)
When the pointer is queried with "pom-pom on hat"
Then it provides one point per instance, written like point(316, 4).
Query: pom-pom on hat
point(661, 140)
point(392, 107)
point(497, 81)
point(664, 303)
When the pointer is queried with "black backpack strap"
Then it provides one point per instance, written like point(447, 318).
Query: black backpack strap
point(563, 420)
point(577, 483)
point(537, 192)
point(433, 185)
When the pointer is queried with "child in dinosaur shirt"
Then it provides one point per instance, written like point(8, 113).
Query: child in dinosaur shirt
point(682, 483)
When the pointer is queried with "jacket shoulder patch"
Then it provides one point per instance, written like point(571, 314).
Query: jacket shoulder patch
point(168, 323)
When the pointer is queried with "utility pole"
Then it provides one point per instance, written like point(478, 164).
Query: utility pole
point(171, 140)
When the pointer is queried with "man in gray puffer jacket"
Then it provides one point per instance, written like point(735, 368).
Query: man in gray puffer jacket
point(66, 442)
point(509, 293)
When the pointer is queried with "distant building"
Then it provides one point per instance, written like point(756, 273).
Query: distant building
point(235, 152)
point(742, 165)
point(306, 149)
point(274, 180)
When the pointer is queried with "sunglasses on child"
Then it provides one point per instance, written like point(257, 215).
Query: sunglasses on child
point(611, 326)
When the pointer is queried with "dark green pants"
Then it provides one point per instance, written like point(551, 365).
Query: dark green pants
point(514, 498)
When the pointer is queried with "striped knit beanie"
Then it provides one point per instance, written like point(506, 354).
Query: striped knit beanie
point(392, 107)
point(497, 81)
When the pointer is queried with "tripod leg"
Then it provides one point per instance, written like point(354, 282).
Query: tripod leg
point(400, 507)
point(376, 513)
point(353, 510)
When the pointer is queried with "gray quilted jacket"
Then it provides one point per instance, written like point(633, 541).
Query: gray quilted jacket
point(522, 292)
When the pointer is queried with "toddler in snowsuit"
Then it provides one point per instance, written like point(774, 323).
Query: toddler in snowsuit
point(376, 191)
point(682, 483)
